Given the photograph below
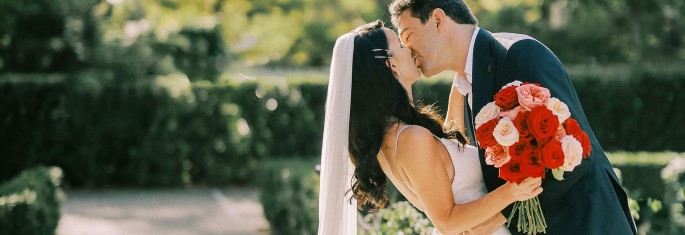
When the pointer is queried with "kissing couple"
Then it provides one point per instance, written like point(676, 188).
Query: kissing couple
point(373, 131)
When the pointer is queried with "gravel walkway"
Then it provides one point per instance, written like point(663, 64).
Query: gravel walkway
point(168, 212)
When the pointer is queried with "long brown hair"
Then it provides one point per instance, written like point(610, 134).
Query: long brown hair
point(376, 97)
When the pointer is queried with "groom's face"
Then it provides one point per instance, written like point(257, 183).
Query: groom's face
point(420, 39)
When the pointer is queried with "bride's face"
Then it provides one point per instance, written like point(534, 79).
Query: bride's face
point(401, 63)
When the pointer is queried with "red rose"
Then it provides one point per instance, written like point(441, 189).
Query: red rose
point(507, 98)
point(552, 155)
point(571, 126)
point(543, 124)
point(520, 150)
point(484, 134)
point(585, 142)
point(532, 166)
point(511, 172)
point(521, 124)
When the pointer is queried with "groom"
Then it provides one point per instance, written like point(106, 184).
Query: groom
point(443, 35)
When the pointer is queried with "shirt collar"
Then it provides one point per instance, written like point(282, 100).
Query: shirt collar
point(468, 68)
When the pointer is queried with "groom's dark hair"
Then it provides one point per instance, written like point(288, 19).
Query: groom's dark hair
point(456, 10)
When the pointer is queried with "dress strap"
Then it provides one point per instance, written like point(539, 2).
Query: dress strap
point(397, 138)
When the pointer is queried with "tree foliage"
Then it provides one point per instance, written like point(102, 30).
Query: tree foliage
point(132, 39)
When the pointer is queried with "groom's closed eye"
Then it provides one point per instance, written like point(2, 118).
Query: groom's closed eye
point(408, 49)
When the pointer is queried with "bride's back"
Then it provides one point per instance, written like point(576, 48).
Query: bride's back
point(398, 139)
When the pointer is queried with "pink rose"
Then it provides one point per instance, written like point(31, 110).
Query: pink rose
point(496, 156)
point(561, 133)
point(531, 96)
point(511, 114)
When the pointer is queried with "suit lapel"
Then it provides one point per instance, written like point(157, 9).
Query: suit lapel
point(488, 65)
point(483, 70)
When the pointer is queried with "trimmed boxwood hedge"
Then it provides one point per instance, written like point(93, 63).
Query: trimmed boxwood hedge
point(166, 131)
point(30, 202)
point(289, 192)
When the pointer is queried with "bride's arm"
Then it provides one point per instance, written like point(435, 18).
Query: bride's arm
point(428, 178)
point(455, 120)
point(455, 110)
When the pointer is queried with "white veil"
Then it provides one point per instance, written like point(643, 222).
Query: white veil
point(336, 214)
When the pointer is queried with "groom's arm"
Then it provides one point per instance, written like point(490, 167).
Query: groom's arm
point(530, 61)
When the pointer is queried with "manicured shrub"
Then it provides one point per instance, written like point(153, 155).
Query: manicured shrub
point(167, 131)
point(30, 202)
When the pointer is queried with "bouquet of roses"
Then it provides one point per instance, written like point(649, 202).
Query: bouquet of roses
point(524, 133)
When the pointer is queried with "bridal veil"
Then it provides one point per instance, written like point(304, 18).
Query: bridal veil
point(336, 214)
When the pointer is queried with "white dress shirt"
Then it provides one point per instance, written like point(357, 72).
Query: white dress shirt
point(462, 83)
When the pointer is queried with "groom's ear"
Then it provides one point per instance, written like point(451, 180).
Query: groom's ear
point(439, 18)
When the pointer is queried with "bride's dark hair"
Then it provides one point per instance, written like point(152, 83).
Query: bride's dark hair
point(377, 97)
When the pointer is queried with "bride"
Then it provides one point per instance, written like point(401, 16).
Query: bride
point(372, 132)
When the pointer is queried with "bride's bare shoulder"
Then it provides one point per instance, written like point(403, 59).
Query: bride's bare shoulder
point(416, 144)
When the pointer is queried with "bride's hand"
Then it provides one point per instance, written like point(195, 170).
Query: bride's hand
point(527, 189)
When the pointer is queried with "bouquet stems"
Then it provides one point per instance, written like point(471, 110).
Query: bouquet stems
point(530, 218)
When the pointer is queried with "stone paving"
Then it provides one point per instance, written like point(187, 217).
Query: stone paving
point(163, 211)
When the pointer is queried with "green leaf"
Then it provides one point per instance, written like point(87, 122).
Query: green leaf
point(558, 174)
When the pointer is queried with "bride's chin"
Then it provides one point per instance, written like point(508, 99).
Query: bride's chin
point(411, 80)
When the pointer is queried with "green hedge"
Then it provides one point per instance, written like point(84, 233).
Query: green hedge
point(400, 217)
point(166, 131)
point(162, 132)
point(642, 175)
point(289, 190)
point(30, 202)
point(289, 194)
point(99, 135)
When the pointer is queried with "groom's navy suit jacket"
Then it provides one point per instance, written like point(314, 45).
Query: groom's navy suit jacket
point(590, 200)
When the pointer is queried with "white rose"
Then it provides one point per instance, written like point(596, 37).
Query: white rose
point(514, 83)
point(558, 108)
point(487, 113)
point(573, 153)
point(505, 132)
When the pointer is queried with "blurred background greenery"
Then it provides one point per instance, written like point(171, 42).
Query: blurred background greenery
point(179, 93)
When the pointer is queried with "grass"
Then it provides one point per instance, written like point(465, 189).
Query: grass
point(297, 164)
point(642, 158)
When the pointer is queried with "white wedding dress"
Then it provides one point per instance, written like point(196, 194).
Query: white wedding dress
point(468, 182)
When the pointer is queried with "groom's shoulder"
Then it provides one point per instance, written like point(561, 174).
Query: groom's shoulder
point(522, 43)
point(509, 39)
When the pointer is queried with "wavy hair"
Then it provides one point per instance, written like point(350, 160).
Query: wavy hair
point(377, 98)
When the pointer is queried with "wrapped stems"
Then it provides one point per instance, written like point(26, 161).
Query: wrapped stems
point(530, 218)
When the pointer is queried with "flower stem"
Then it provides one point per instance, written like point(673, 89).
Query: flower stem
point(530, 218)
